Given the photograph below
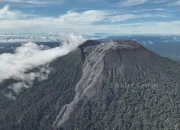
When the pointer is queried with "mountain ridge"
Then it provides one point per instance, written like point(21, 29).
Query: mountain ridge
point(116, 53)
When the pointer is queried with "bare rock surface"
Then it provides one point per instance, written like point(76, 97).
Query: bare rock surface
point(93, 53)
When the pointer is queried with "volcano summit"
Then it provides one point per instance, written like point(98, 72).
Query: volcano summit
point(117, 85)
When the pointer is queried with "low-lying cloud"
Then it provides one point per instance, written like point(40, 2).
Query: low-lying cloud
point(31, 55)
point(27, 79)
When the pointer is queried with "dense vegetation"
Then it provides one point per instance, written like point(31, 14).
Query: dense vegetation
point(144, 96)
point(36, 108)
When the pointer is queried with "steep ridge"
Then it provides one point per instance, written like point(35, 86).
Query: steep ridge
point(115, 69)
point(117, 85)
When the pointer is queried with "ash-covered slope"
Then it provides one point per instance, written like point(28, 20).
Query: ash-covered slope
point(123, 86)
point(118, 85)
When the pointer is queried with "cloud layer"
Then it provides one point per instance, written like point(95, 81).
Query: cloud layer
point(31, 55)
point(89, 21)
point(133, 2)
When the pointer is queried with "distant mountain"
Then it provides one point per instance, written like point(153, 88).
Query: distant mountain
point(166, 46)
point(118, 85)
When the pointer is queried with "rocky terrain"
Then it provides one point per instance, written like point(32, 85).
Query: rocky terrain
point(117, 85)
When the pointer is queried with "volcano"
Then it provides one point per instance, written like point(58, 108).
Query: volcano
point(116, 85)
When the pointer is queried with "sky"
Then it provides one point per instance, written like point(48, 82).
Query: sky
point(90, 16)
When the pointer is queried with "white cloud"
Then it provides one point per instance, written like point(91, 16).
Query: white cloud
point(13, 1)
point(85, 22)
point(32, 2)
point(18, 66)
point(125, 17)
point(122, 17)
point(31, 55)
point(17, 87)
point(86, 17)
point(10, 96)
point(159, 1)
point(27, 79)
point(174, 3)
point(148, 10)
point(68, 20)
point(133, 2)
point(178, 3)
point(6, 14)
